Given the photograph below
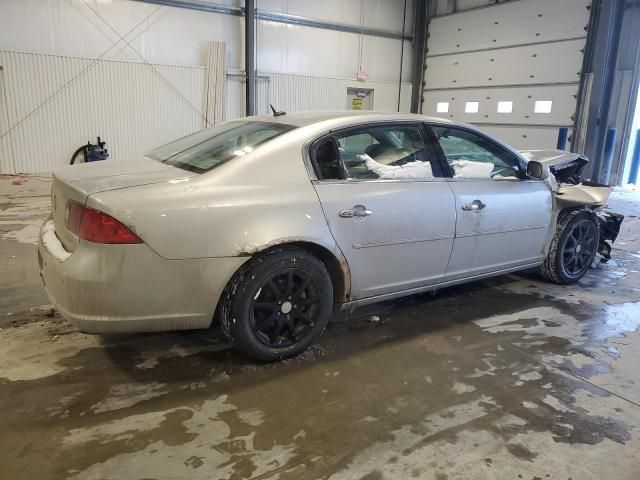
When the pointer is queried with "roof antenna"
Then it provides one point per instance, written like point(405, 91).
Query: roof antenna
point(276, 113)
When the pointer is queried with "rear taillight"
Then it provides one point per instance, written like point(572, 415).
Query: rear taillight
point(96, 226)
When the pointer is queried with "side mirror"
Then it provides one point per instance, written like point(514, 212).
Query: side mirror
point(537, 170)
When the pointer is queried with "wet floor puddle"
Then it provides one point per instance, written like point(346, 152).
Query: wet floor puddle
point(518, 382)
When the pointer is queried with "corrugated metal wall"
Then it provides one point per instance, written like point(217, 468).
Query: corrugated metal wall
point(519, 52)
point(299, 93)
point(293, 93)
point(6, 153)
point(55, 104)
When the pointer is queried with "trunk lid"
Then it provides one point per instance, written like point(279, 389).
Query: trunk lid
point(77, 182)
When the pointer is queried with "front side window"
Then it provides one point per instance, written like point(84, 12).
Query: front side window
point(384, 152)
point(473, 156)
point(204, 150)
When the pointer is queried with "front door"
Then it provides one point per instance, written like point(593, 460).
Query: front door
point(387, 205)
point(503, 219)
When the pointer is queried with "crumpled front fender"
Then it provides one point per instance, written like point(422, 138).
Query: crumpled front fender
point(581, 195)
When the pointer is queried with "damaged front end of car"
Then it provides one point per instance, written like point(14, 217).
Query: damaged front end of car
point(572, 192)
point(609, 229)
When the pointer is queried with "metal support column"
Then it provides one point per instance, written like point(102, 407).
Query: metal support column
point(420, 33)
point(250, 55)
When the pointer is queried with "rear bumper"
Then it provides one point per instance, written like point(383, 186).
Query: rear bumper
point(129, 288)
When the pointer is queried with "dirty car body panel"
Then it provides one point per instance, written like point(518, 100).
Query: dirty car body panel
point(195, 228)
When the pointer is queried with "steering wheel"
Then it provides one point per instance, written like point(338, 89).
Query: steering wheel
point(404, 160)
point(498, 171)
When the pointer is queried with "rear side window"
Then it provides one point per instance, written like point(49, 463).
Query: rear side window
point(209, 148)
point(327, 160)
point(386, 152)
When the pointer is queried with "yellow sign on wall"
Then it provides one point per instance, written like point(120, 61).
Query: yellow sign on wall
point(356, 104)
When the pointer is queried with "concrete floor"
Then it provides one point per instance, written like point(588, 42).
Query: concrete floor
point(510, 378)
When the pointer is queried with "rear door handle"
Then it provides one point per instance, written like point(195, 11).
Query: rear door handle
point(474, 206)
point(356, 211)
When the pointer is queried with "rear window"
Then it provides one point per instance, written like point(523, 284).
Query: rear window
point(204, 150)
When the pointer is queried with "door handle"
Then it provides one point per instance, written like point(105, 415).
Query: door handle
point(474, 206)
point(356, 211)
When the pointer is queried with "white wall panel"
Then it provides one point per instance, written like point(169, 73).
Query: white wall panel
point(168, 35)
point(6, 152)
point(311, 51)
point(135, 106)
point(293, 93)
point(299, 93)
point(132, 106)
point(235, 96)
point(71, 28)
point(381, 14)
point(509, 24)
point(539, 64)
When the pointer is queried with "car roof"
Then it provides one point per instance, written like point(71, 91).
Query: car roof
point(302, 119)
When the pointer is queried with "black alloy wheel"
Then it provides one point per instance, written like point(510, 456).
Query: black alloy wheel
point(278, 304)
point(573, 248)
point(579, 248)
point(285, 308)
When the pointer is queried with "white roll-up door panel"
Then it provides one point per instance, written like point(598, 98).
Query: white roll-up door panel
point(518, 53)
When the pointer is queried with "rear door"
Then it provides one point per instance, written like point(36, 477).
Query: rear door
point(387, 204)
point(503, 218)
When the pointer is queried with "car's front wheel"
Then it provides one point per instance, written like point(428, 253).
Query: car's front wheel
point(279, 304)
point(573, 248)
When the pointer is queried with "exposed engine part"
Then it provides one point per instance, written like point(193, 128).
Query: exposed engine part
point(609, 230)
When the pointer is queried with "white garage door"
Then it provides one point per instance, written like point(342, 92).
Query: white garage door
point(512, 69)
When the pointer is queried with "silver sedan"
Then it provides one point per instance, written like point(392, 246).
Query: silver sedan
point(267, 224)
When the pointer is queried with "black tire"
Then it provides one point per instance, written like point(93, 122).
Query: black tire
point(573, 248)
point(278, 304)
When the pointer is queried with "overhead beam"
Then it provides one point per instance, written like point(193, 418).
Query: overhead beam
point(281, 18)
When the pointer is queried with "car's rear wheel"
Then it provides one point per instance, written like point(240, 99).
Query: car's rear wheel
point(573, 248)
point(279, 304)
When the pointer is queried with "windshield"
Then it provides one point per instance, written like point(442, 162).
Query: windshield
point(206, 149)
